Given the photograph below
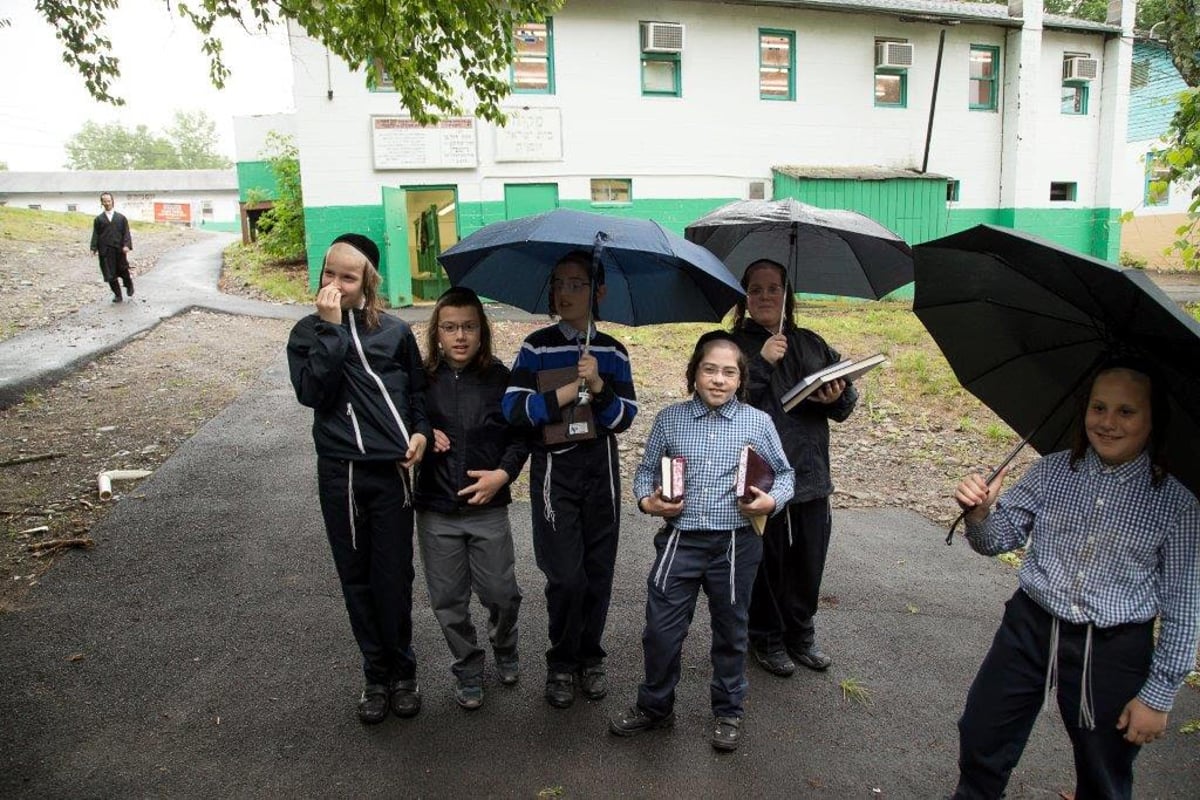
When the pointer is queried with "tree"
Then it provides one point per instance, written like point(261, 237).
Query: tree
point(1182, 157)
point(188, 143)
point(281, 228)
point(421, 45)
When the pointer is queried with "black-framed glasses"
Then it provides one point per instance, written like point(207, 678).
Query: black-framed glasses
point(452, 328)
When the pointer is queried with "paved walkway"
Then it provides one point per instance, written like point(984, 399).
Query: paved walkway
point(201, 649)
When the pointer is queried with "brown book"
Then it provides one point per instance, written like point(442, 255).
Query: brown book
point(578, 423)
point(847, 370)
point(753, 470)
point(671, 475)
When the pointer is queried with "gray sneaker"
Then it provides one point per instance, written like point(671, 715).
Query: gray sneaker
point(509, 669)
point(468, 695)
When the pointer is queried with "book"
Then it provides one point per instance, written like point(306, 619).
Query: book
point(753, 470)
point(578, 423)
point(847, 369)
point(671, 474)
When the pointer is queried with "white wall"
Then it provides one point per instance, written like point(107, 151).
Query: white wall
point(250, 134)
point(137, 206)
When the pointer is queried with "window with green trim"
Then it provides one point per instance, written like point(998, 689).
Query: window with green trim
point(891, 83)
point(1063, 192)
point(612, 190)
point(984, 81)
point(952, 189)
point(1158, 180)
point(776, 64)
point(532, 70)
point(1074, 99)
point(661, 74)
point(383, 83)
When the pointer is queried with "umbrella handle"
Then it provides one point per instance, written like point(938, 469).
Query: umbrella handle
point(1007, 460)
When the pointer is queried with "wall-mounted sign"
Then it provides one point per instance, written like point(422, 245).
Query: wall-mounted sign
point(173, 212)
point(401, 143)
point(532, 134)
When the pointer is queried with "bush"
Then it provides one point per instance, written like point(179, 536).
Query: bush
point(1130, 260)
point(281, 229)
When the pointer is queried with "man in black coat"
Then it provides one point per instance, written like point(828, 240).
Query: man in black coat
point(112, 242)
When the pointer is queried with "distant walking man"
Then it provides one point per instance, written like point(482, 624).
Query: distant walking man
point(112, 242)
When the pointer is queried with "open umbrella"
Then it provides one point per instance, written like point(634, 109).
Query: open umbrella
point(1024, 323)
point(826, 251)
point(652, 275)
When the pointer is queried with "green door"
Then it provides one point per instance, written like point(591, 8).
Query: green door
point(397, 273)
point(523, 199)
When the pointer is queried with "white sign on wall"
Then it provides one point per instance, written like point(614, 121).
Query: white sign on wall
point(532, 134)
point(402, 143)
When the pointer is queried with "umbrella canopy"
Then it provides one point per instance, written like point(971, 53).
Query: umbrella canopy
point(1024, 322)
point(652, 275)
point(826, 251)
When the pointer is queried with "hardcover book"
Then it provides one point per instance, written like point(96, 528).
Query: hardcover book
point(753, 470)
point(847, 369)
point(671, 474)
point(578, 423)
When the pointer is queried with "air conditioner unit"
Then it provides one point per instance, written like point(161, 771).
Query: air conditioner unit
point(662, 37)
point(893, 55)
point(1080, 69)
point(758, 190)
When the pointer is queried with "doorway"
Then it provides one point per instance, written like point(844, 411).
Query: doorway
point(421, 222)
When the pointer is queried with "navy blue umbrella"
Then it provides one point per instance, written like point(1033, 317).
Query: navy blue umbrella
point(652, 275)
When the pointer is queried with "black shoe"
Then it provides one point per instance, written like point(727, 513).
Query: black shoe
point(774, 661)
point(406, 698)
point(373, 704)
point(468, 695)
point(811, 657)
point(727, 732)
point(560, 689)
point(116, 298)
point(634, 720)
point(129, 290)
point(508, 668)
point(593, 682)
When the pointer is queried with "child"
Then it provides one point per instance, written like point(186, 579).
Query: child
point(795, 542)
point(708, 540)
point(575, 485)
point(1113, 543)
point(462, 493)
point(360, 372)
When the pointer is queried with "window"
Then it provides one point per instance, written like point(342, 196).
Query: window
point(1074, 99)
point(532, 70)
point(985, 89)
point(206, 209)
point(891, 83)
point(612, 190)
point(1139, 75)
point(383, 83)
point(952, 191)
point(660, 74)
point(72, 207)
point(1075, 85)
point(1062, 192)
point(1158, 180)
point(776, 64)
point(35, 206)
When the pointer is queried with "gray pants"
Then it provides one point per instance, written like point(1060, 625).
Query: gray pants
point(461, 551)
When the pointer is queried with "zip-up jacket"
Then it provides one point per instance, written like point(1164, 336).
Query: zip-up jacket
point(465, 405)
point(366, 387)
point(804, 431)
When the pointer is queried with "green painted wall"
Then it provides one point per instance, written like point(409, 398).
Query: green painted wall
point(323, 224)
point(224, 227)
point(1094, 231)
point(915, 208)
point(256, 175)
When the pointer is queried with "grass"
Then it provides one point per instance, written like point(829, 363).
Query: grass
point(282, 282)
point(1190, 727)
point(855, 692)
point(29, 225)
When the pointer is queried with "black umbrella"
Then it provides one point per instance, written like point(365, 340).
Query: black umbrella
point(826, 251)
point(1025, 322)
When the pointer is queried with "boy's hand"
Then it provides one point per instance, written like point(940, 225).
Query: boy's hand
point(1141, 723)
point(441, 442)
point(976, 497)
point(774, 348)
point(762, 503)
point(416, 450)
point(329, 305)
point(589, 371)
point(488, 482)
point(655, 504)
point(829, 392)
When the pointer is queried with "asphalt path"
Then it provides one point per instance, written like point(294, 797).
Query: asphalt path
point(202, 649)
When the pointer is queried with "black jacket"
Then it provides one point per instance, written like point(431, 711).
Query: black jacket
point(465, 405)
point(804, 431)
point(357, 382)
point(111, 234)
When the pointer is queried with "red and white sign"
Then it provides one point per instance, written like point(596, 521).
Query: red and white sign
point(173, 212)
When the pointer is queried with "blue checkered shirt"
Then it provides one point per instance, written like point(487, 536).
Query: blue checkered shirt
point(1107, 547)
point(711, 441)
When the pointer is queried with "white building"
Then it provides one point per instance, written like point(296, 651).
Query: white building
point(669, 109)
point(195, 197)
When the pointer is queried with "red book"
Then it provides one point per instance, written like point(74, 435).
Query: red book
point(671, 475)
point(753, 470)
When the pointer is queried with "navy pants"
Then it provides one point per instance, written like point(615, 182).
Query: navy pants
point(374, 559)
point(726, 572)
point(1008, 690)
point(788, 587)
point(576, 511)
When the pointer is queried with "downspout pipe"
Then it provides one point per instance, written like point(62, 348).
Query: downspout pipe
point(937, 79)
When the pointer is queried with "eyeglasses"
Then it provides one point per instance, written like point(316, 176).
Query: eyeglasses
point(769, 291)
point(571, 285)
point(712, 371)
point(452, 328)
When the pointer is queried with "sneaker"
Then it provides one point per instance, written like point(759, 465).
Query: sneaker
point(727, 732)
point(373, 704)
point(509, 669)
point(468, 695)
point(634, 720)
point(560, 689)
point(593, 682)
point(406, 698)
point(774, 661)
point(811, 657)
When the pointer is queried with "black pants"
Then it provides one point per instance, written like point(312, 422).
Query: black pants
point(788, 586)
point(1007, 694)
point(724, 565)
point(576, 512)
point(374, 559)
point(114, 264)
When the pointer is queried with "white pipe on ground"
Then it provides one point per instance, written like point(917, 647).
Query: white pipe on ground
point(104, 479)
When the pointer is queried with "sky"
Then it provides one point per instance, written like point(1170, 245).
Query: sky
point(44, 101)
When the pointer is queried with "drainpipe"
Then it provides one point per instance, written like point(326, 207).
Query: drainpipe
point(937, 77)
